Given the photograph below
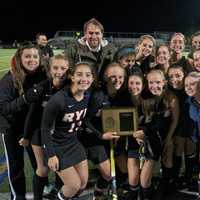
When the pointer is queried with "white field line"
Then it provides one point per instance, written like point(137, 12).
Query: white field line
point(5, 56)
point(4, 69)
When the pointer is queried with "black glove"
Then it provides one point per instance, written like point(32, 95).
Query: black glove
point(33, 94)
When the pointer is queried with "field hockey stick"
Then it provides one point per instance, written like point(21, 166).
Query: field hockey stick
point(142, 157)
point(113, 172)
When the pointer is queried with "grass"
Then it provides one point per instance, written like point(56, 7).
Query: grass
point(5, 58)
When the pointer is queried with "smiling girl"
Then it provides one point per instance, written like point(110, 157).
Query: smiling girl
point(167, 114)
point(16, 93)
point(177, 46)
point(58, 67)
point(62, 118)
point(145, 53)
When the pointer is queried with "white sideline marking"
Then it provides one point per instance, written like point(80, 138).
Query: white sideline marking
point(5, 69)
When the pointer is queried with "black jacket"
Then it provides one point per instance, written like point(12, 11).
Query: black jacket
point(13, 108)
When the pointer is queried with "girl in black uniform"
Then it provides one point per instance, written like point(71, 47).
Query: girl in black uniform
point(195, 45)
point(93, 138)
point(163, 58)
point(183, 144)
point(58, 66)
point(126, 58)
point(145, 138)
point(166, 112)
point(177, 45)
point(145, 51)
point(62, 118)
point(16, 93)
point(196, 60)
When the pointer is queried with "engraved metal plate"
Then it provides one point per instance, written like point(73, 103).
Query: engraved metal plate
point(121, 120)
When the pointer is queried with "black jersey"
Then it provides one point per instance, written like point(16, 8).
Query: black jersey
point(62, 118)
point(146, 64)
point(184, 122)
point(34, 116)
point(99, 100)
point(163, 113)
point(184, 62)
point(146, 122)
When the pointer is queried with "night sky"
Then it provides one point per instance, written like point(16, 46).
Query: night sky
point(21, 21)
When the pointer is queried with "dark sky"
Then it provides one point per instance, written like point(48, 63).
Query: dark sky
point(22, 20)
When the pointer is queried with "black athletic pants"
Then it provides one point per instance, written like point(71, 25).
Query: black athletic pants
point(15, 165)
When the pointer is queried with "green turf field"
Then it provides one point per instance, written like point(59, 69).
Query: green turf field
point(5, 58)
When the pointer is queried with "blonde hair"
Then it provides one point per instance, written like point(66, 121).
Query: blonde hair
point(157, 71)
point(56, 57)
point(163, 45)
point(149, 37)
point(112, 65)
point(178, 34)
point(143, 37)
point(195, 75)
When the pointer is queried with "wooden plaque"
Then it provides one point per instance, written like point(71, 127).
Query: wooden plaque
point(121, 120)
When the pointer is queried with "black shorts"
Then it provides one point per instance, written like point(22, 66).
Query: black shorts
point(122, 146)
point(133, 148)
point(134, 154)
point(70, 153)
point(97, 154)
point(36, 138)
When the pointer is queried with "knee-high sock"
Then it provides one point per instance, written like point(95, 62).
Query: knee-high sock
point(199, 187)
point(61, 196)
point(102, 183)
point(134, 190)
point(132, 193)
point(120, 177)
point(147, 193)
point(58, 183)
point(38, 186)
point(177, 166)
point(167, 173)
point(189, 166)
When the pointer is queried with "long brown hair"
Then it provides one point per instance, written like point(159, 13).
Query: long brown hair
point(17, 69)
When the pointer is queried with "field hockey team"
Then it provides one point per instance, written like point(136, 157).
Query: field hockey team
point(53, 109)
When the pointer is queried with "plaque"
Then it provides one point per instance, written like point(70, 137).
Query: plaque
point(121, 120)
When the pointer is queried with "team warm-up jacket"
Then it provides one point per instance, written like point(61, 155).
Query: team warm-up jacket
point(13, 108)
point(13, 111)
